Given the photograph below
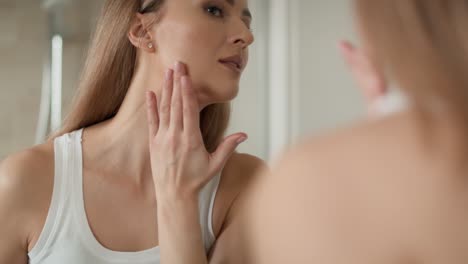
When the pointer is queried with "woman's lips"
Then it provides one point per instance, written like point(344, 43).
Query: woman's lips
point(235, 63)
point(232, 66)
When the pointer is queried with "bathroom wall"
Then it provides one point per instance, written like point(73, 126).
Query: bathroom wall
point(24, 42)
point(296, 83)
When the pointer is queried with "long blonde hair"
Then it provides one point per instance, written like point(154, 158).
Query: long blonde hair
point(109, 69)
point(423, 45)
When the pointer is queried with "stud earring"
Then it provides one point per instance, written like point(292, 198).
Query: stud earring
point(150, 45)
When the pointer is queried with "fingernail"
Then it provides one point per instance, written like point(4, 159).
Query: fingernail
point(177, 66)
point(180, 67)
point(241, 140)
point(168, 74)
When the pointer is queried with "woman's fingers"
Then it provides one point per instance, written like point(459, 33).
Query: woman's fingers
point(369, 78)
point(165, 103)
point(191, 109)
point(176, 123)
point(152, 113)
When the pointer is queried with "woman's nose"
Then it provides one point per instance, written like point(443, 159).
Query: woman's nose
point(241, 35)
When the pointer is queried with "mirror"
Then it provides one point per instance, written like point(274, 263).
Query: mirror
point(296, 82)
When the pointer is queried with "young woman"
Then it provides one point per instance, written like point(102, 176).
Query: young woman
point(389, 190)
point(102, 190)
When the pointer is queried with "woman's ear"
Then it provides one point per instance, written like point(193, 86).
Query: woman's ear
point(140, 36)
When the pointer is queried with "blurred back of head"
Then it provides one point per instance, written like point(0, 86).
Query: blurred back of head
point(423, 46)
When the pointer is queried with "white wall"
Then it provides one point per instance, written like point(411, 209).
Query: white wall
point(24, 42)
point(22, 45)
point(250, 108)
point(328, 96)
point(317, 92)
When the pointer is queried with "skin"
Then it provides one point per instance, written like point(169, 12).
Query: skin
point(122, 173)
point(392, 199)
point(118, 174)
point(247, 236)
point(377, 192)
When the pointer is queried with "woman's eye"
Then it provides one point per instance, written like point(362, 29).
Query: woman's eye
point(248, 24)
point(215, 11)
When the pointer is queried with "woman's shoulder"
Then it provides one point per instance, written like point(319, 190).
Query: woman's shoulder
point(26, 183)
point(240, 171)
point(26, 167)
point(358, 142)
point(245, 165)
point(336, 165)
point(366, 175)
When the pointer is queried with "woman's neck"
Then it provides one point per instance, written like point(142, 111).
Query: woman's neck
point(119, 146)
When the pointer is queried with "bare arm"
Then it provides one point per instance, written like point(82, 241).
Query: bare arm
point(13, 240)
point(289, 217)
point(180, 234)
point(232, 245)
point(325, 204)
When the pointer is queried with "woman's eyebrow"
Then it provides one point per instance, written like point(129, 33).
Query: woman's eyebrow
point(246, 12)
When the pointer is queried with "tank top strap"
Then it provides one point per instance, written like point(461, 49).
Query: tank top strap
point(60, 200)
point(206, 205)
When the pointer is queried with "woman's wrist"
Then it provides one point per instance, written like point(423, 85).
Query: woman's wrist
point(180, 234)
point(178, 214)
point(173, 197)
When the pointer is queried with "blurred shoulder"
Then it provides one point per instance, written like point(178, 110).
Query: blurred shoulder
point(341, 148)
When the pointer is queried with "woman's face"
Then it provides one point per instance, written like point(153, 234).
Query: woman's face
point(210, 36)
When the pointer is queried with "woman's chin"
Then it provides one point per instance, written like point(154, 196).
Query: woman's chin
point(229, 94)
point(224, 95)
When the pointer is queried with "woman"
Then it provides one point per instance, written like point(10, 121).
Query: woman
point(388, 190)
point(102, 190)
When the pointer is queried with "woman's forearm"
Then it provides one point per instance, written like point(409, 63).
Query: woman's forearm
point(180, 234)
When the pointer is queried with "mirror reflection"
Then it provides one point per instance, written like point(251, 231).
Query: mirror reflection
point(232, 131)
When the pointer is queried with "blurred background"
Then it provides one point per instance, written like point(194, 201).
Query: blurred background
point(296, 83)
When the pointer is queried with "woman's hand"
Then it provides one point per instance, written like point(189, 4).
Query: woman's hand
point(181, 166)
point(369, 78)
point(180, 163)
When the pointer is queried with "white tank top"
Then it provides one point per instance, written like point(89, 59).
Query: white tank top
point(67, 236)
